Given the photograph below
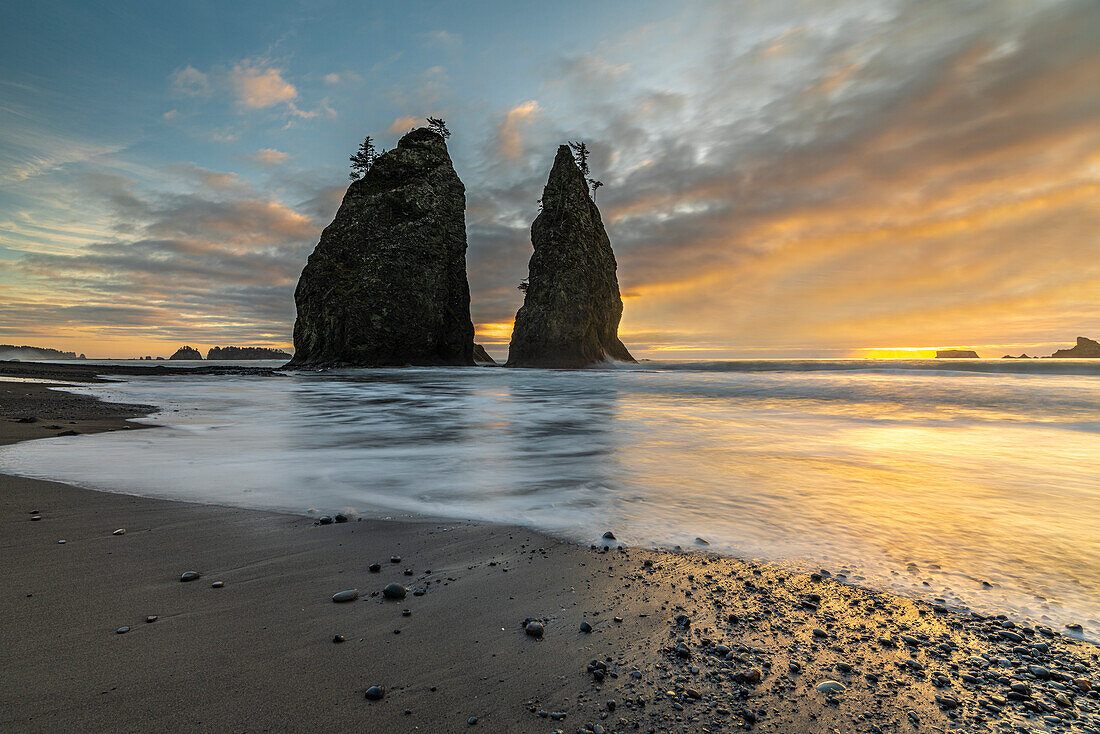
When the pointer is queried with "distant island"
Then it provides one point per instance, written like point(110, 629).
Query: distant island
point(1084, 349)
point(246, 353)
point(11, 351)
point(186, 352)
point(956, 354)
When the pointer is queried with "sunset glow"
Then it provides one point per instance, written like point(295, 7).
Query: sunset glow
point(807, 184)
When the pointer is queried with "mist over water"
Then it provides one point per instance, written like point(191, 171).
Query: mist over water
point(923, 477)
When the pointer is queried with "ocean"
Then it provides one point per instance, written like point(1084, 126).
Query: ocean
point(975, 481)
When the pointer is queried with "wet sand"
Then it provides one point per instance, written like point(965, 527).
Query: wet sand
point(678, 642)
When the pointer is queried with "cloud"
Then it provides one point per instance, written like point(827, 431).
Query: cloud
point(256, 86)
point(270, 157)
point(402, 125)
point(442, 39)
point(332, 78)
point(509, 132)
point(190, 82)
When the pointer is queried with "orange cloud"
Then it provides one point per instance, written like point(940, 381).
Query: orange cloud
point(257, 87)
point(511, 142)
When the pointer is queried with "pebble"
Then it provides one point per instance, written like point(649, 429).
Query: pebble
point(831, 686)
point(122, 630)
point(340, 517)
point(338, 639)
point(151, 618)
point(61, 542)
point(120, 531)
point(325, 520)
point(374, 567)
point(375, 693)
point(534, 628)
point(395, 559)
point(394, 591)
point(189, 575)
point(609, 535)
point(586, 627)
point(345, 595)
point(217, 585)
point(35, 518)
point(472, 720)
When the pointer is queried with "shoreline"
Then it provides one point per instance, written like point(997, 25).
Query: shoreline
point(258, 654)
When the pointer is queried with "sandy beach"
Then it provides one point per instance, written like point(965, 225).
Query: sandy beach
point(632, 639)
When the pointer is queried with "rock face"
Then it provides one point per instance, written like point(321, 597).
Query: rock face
point(481, 356)
point(571, 310)
point(186, 353)
point(957, 354)
point(387, 284)
point(1084, 349)
point(246, 353)
point(11, 351)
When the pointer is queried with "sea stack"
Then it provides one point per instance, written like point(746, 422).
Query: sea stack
point(386, 285)
point(572, 307)
point(1085, 348)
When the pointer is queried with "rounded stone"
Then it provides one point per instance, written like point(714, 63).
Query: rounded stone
point(395, 559)
point(345, 595)
point(122, 630)
point(586, 627)
point(375, 693)
point(120, 531)
point(217, 585)
point(340, 517)
point(189, 575)
point(374, 567)
point(151, 618)
point(394, 591)
point(609, 535)
point(472, 720)
point(325, 520)
point(338, 639)
point(534, 629)
point(831, 686)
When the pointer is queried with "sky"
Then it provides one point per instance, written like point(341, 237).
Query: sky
point(783, 179)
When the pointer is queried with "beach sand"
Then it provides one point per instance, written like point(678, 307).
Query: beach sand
point(258, 654)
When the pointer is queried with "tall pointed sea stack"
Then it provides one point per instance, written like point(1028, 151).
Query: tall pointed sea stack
point(387, 284)
point(571, 310)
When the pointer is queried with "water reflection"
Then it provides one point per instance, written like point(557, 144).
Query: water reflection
point(926, 481)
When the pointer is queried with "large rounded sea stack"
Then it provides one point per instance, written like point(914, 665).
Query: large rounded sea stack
point(386, 285)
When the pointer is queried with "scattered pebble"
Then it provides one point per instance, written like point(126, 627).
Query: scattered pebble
point(338, 639)
point(151, 618)
point(534, 628)
point(189, 575)
point(375, 693)
point(217, 585)
point(120, 531)
point(394, 591)
point(345, 595)
point(122, 630)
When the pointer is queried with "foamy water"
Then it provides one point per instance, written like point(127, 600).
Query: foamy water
point(923, 477)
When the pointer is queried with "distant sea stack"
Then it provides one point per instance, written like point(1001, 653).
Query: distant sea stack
point(11, 351)
point(186, 353)
point(387, 284)
point(956, 354)
point(1084, 349)
point(246, 353)
point(571, 308)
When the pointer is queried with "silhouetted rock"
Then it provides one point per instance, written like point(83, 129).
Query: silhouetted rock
point(481, 356)
point(956, 354)
point(246, 353)
point(186, 353)
point(1084, 349)
point(387, 284)
point(571, 309)
point(10, 351)
point(1022, 356)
